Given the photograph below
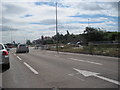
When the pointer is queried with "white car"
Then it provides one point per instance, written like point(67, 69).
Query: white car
point(22, 48)
point(4, 57)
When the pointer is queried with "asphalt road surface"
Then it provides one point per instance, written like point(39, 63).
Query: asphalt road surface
point(47, 69)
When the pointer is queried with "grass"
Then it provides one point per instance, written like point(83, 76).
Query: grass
point(106, 50)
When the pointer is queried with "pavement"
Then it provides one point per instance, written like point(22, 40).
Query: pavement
point(48, 69)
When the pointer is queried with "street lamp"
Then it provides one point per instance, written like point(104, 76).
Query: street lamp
point(56, 30)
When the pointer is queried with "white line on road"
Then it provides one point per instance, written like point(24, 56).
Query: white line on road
point(33, 70)
point(89, 73)
point(107, 79)
point(56, 55)
point(74, 75)
point(85, 61)
point(19, 58)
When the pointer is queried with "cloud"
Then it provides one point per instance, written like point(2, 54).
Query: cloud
point(5, 20)
point(45, 22)
point(6, 28)
point(37, 17)
point(89, 6)
point(27, 15)
point(13, 9)
point(45, 3)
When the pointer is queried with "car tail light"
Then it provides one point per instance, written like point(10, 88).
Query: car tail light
point(5, 53)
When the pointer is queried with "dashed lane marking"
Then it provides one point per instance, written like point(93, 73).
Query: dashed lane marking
point(19, 58)
point(33, 70)
point(85, 61)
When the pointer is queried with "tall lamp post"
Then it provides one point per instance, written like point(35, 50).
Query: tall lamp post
point(56, 30)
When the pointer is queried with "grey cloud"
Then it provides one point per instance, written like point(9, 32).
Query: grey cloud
point(68, 27)
point(65, 27)
point(10, 22)
point(48, 21)
point(114, 4)
point(6, 28)
point(13, 9)
point(90, 6)
point(5, 20)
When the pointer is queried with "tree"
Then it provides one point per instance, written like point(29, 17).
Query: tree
point(42, 37)
point(68, 32)
point(93, 34)
point(67, 36)
point(13, 42)
point(28, 42)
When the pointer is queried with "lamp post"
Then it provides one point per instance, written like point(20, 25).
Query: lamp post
point(56, 30)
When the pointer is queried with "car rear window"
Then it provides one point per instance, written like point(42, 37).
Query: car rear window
point(1, 47)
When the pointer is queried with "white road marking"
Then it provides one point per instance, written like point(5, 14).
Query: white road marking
point(19, 58)
point(33, 70)
point(85, 61)
point(73, 75)
point(107, 79)
point(89, 73)
point(56, 55)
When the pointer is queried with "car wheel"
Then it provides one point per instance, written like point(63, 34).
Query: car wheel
point(6, 66)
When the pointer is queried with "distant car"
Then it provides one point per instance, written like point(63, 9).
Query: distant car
point(22, 48)
point(4, 57)
point(9, 45)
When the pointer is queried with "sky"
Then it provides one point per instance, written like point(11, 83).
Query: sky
point(22, 20)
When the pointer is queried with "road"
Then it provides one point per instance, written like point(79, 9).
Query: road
point(47, 69)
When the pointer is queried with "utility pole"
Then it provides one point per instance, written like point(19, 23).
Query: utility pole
point(56, 30)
